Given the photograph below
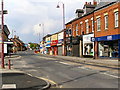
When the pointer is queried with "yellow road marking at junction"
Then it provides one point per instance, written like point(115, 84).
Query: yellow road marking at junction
point(49, 81)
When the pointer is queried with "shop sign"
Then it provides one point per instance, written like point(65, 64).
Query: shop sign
point(92, 39)
point(60, 41)
point(109, 37)
point(48, 39)
point(88, 38)
point(54, 37)
point(75, 40)
point(60, 36)
point(54, 42)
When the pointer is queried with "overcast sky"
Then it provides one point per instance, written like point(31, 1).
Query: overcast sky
point(24, 16)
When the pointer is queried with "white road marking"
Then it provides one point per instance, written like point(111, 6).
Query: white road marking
point(64, 63)
point(84, 68)
point(110, 75)
point(9, 86)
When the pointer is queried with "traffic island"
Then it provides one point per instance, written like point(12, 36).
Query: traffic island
point(22, 81)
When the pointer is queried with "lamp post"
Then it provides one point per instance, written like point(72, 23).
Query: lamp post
point(2, 12)
point(2, 45)
point(63, 13)
point(63, 24)
point(42, 25)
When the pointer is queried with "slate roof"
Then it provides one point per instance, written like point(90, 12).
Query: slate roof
point(15, 41)
point(19, 40)
point(6, 30)
point(98, 7)
point(104, 4)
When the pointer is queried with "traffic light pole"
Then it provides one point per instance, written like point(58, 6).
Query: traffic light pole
point(2, 43)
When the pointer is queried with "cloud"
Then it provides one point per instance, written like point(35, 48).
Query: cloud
point(24, 16)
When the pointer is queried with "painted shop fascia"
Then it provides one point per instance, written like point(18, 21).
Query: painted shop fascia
point(108, 46)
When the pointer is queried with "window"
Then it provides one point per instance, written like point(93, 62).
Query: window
point(92, 26)
point(69, 30)
point(116, 19)
point(76, 29)
point(87, 27)
point(106, 22)
point(81, 28)
point(98, 24)
point(73, 30)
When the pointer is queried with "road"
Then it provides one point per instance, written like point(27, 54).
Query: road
point(65, 74)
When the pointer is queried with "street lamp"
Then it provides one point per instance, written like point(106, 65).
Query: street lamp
point(58, 6)
point(63, 13)
point(42, 25)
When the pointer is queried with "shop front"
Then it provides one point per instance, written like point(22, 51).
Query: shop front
point(48, 47)
point(76, 46)
point(108, 46)
point(60, 47)
point(60, 43)
point(88, 45)
point(69, 46)
point(53, 45)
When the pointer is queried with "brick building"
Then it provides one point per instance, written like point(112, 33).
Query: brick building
point(107, 31)
point(82, 31)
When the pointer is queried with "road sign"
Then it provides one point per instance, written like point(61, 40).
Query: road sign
point(92, 39)
point(4, 12)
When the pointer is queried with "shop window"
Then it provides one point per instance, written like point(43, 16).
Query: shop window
point(88, 49)
point(87, 27)
point(116, 19)
point(98, 24)
point(76, 29)
point(108, 49)
point(106, 22)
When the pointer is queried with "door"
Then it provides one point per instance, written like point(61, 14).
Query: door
point(75, 50)
point(60, 50)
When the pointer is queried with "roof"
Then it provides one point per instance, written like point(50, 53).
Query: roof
point(15, 41)
point(80, 17)
point(19, 40)
point(98, 7)
point(105, 4)
point(89, 6)
point(6, 30)
point(79, 11)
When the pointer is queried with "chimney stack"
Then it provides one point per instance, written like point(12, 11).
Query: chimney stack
point(94, 2)
point(18, 37)
point(14, 36)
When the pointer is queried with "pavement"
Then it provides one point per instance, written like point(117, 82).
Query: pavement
point(15, 79)
point(112, 63)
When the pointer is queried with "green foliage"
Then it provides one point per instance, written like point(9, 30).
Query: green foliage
point(33, 45)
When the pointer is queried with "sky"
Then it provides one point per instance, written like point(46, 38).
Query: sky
point(27, 17)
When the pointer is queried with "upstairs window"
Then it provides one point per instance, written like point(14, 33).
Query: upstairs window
point(116, 19)
point(98, 24)
point(76, 29)
point(81, 28)
point(69, 30)
point(87, 27)
point(92, 26)
point(73, 30)
point(106, 22)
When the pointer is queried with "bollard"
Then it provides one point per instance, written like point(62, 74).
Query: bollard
point(9, 64)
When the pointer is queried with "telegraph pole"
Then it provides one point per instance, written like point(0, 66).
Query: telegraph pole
point(2, 43)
